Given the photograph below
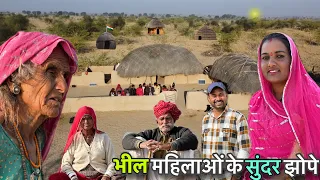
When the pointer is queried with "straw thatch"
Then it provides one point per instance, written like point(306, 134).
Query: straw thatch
point(205, 33)
point(159, 59)
point(238, 71)
point(155, 23)
point(106, 41)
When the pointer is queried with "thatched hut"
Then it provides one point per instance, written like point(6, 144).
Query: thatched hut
point(238, 71)
point(159, 60)
point(155, 26)
point(205, 33)
point(106, 41)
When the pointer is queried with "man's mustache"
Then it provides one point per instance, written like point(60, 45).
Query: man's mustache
point(166, 125)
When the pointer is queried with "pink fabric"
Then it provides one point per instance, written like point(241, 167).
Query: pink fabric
point(139, 91)
point(118, 88)
point(166, 107)
point(300, 106)
point(35, 47)
point(85, 110)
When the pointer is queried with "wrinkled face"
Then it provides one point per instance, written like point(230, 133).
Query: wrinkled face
point(275, 62)
point(86, 122)
point(218, 99)
point(165, 123)
point(42, 94)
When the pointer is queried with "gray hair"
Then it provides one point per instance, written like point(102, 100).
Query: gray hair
point(9, 104)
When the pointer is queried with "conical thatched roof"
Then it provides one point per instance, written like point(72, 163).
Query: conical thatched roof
point(238, 71)
point(106, 41)
point(106, 36)
point(155, 23)
point(159, 59)
point(206, 33)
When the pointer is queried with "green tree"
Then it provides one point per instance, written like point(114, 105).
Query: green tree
point(118, 23)
point(9, 25)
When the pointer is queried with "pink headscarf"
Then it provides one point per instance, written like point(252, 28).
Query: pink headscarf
point(85, 110)
point(35, 47)
point(300, 107)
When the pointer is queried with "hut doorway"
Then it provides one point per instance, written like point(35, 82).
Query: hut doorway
point(107, 45)
point(158, 31)
point(199, 38)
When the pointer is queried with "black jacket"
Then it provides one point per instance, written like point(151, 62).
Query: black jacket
point(187, 140)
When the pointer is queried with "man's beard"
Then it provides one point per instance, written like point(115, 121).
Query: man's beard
point(221, 107)
point(167, 127)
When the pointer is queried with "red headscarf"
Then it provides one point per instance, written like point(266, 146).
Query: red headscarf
point(118, 88)
point(35, 47)
point(85, 110)
point(166, 107)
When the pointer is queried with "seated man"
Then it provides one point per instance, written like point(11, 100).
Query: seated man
point(166, 137)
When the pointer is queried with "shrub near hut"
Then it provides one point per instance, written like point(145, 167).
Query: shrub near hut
point(225, 41)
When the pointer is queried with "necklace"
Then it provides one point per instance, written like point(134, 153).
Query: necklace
point(25, 148)
point(25, 155)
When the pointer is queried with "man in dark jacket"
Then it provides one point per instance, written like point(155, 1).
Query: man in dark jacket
point(149, 90)
point(166, 137)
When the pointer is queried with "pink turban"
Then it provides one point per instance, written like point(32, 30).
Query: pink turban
point(166, 107)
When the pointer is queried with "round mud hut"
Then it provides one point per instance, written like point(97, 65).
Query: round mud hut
point(155, 26)
point(205, 33)
point(106, 41)
point(238, 71)
point(159, 60)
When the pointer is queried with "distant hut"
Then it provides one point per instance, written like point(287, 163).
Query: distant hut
point(106, 41)
point(238, 71)
point(155, 26)
point(159, 60)
point(205, 33)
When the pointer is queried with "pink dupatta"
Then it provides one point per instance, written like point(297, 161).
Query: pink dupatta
point(35, 47)
point(297, 116)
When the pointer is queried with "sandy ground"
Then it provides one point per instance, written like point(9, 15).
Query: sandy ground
point(116, 124)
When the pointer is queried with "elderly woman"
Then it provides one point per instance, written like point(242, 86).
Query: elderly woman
point(36, 70)
point(88, 152)
point(284, 115)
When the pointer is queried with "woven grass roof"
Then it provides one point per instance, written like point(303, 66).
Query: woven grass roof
point(155, 23)
point(106, 36)
point(161, 60)
point(238, 71)
point(206, 33)
point(206, 30)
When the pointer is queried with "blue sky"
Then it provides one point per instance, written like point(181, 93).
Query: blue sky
point(269, 8)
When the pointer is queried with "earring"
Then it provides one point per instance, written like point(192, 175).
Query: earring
point(16, 89)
